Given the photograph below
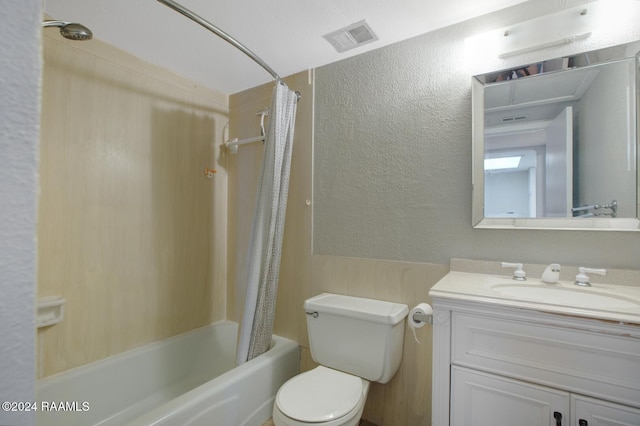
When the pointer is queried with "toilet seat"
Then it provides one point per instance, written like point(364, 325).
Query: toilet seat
point(322, 395)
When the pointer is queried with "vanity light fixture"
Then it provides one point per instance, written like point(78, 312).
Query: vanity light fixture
point(557, 29)
point(559, 42)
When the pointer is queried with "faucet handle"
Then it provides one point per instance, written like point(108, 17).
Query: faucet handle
point(582, 279)
point(518, 273)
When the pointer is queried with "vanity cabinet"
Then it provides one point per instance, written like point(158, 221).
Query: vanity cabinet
point(482, 399)
point(594, 412)
point(503, 366)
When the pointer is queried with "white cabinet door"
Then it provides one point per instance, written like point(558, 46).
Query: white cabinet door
point(482, 399)
point(594, 412)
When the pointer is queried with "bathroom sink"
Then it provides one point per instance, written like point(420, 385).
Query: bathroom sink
point(583, 297)
point(613, 302)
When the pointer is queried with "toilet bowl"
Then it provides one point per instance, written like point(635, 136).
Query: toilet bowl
point(355, 341)
point(321, 397)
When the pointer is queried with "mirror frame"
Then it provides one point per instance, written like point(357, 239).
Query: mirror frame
point(477, 171)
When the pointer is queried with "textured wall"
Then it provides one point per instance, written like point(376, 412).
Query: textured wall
point(130, 232)
point(19, 123)
point(392, 155)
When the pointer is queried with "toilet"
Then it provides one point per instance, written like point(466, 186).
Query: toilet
point(356, 341)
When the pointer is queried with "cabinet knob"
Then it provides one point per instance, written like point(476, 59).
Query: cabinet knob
point(583, 422)
point(558, 416)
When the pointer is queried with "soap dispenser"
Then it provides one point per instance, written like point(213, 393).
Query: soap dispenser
point(551, 274)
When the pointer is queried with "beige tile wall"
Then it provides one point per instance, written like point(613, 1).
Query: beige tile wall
point(130, 232)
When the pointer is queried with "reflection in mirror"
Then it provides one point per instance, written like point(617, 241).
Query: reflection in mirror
point(555, 143)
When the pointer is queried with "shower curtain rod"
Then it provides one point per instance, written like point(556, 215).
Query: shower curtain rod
point(217, 31)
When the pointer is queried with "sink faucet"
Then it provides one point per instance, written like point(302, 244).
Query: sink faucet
point(582, 279)
point(551, 274)
point(518, 273)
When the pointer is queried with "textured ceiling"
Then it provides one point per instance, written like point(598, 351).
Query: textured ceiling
point(286, 34)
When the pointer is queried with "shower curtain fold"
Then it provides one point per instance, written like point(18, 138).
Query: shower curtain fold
point(265, 246)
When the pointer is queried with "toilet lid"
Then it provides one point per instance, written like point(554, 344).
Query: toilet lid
point(319, 395)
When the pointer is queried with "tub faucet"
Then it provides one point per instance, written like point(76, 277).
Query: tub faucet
point(518, 273)
point(582, 279)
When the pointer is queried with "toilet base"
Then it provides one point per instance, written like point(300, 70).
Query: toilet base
point(350, 419)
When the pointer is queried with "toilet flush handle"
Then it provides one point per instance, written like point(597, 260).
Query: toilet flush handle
point(314, 314)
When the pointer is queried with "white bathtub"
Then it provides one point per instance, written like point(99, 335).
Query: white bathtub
point(186, 380)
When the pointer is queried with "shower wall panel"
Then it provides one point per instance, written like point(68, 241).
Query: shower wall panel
point(131, 233)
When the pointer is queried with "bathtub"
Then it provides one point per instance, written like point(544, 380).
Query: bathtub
point(189, 379)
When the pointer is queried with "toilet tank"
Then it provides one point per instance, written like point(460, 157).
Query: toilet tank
point(359, 336)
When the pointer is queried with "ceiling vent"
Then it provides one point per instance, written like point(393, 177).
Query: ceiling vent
point(350, 37)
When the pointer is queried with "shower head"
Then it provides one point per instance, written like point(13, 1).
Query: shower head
point(70, 30)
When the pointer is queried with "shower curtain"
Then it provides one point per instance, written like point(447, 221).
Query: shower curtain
point(265, 246)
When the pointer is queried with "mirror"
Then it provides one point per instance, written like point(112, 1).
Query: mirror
point(555, 143)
